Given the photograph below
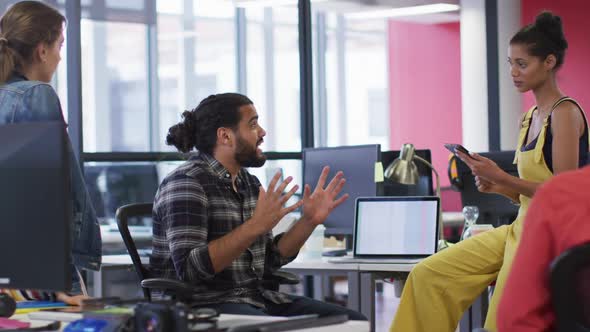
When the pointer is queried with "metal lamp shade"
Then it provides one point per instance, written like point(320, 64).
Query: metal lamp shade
point(403, 170)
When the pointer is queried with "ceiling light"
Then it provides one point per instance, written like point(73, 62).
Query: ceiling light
point(405, 11)
point(267, 3)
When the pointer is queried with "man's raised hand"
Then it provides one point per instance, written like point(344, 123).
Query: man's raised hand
point(270, 207)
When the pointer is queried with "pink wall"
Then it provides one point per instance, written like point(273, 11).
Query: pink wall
point(574, 76)
point(425, 88)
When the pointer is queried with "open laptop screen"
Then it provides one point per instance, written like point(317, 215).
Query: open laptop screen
point(396, 226)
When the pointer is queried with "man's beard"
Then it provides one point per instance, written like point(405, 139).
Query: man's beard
point(246, 155)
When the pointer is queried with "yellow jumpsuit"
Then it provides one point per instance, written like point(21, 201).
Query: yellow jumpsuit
point(443, 286)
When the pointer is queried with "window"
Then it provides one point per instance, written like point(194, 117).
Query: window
point(60, 80)
point(145, 62)
point(355, 95)
point(114, 184)
point(286, 167)
point(139, 74)
point(196, 57)
point(273, 74)
point(114, 86)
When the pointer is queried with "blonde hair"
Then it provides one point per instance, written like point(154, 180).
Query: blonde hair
point(23, 27)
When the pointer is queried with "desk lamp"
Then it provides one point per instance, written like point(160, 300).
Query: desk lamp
point(403, 170)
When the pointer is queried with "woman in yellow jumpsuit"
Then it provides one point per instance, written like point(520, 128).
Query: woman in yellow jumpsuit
point(552, 137)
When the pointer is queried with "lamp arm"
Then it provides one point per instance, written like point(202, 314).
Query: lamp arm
point(437, 188)
point(437, 192)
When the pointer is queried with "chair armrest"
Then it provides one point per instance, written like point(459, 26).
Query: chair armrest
point(285, 278)
point(167, 285)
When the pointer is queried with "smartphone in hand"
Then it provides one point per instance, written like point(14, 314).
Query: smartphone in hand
point(457, 147)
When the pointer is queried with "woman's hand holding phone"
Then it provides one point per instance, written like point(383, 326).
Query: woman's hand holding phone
point(483, 168)
point(455, 148)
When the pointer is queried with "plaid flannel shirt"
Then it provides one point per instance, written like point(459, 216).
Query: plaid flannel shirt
point(195, 205)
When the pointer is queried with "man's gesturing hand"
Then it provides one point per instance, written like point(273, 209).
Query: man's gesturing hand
point(269, 209)
point(318, 205)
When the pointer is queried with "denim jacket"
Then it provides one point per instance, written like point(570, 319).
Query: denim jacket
point(22, 100)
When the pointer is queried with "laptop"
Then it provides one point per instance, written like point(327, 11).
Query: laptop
point(394, 230)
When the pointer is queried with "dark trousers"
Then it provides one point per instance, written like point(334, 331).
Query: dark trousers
point(300, 306)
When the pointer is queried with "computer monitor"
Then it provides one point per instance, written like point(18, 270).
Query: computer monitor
point(114, 185)
point(358, 165)
point(424, 185)
point(493, 208)
point(35, 202)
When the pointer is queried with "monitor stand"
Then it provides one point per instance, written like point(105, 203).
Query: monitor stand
point(340, 252)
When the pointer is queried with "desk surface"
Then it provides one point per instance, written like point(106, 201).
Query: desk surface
point(298, 264)
point(352, 326)
point(119, 260)
point(110, 234)
point(319, 264)
point(406, 267)
point(453, 218)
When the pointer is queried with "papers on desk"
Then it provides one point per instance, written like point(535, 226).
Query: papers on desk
point(55, 315)
point(70, 314)
point(23, 307)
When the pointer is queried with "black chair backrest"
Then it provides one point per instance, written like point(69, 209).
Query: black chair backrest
point(122, 215)
point(570, 289)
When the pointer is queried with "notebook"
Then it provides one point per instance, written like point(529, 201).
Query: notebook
point(394, 230)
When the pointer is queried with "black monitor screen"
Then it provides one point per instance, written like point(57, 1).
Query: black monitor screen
point(36, 206)
point(114, 185)
point(358, 165)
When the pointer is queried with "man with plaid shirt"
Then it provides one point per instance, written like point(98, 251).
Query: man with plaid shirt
point(212, 220)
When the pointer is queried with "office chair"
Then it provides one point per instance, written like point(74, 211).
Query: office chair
point(570, 289)
point(182, 291)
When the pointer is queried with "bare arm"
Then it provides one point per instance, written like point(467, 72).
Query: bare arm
point(511, 194)
point(486, 186)
point(71, 299)
point(226, 249)
point(499, 181)
point(489, 187)
point(567, 126)
point(294, 239)
point(516, 186)
point(269, 211)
